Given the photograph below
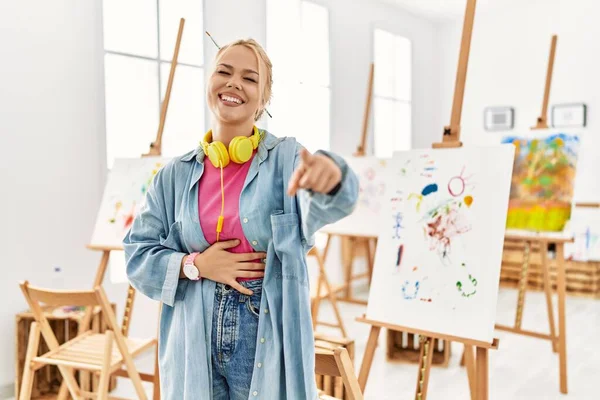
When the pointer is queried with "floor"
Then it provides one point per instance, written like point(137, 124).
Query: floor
point(522, 368)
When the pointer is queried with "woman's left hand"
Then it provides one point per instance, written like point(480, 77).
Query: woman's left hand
point(316, 172)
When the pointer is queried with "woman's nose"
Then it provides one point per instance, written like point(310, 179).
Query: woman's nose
point(233, 82)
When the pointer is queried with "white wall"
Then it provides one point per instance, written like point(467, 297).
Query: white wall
point(351, 54)
point(509, 57)
point(52, 150)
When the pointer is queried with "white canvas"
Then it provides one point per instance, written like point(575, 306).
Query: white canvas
point(438, 259)
point(585, 228)
point(371, 198)
point(124, 194)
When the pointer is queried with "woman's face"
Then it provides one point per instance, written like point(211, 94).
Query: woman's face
point(233, 92)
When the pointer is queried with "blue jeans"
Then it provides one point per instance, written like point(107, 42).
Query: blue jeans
point(234, 332)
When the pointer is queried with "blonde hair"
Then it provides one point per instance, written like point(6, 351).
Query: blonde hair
point(265, 71)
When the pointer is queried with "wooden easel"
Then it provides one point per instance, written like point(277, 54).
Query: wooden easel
point(324, 290)
point(542, 121)
point(557, 339)
point(477, 367)
point(355, 242)
point(543, 240)
point(155, 150)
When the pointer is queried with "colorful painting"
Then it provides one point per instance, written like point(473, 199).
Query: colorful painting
point(371, 174)
point(543, 181)
point(437, 265)
point(124, 194)
point(585, 227)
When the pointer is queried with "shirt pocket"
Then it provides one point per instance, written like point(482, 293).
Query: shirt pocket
point(288, 247)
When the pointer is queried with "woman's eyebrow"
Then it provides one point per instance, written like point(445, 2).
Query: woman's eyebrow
point(244, 70)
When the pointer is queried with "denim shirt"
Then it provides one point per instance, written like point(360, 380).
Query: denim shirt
point(167, 229)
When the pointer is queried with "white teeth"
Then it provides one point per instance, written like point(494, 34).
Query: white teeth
point(231, 99)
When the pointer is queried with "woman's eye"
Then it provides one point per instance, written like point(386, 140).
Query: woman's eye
point(223, 73)
point(250, 79)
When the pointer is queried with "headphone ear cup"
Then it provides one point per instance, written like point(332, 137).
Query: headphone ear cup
point(240, 149)
point(217, 154)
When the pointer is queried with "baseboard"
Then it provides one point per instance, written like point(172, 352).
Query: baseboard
point(7, 391)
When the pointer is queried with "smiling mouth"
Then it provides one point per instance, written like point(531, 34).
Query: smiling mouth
point(230, 100)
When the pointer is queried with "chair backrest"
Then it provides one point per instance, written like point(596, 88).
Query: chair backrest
point(60, 297)
point(337, 363)
point(90, 298)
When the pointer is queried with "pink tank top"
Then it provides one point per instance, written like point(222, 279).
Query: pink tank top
point(209, 204)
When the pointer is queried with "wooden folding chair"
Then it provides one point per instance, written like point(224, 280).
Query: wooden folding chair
point(337, 363)
point(324, 290)
point(88, 351)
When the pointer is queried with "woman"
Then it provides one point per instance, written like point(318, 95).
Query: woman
point(222, 242)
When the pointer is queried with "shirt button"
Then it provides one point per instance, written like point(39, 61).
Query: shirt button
point(262, 340)
point(266, 310)
point(259, 365)
point(245, 220)
point(255, 393)
point(254, 242)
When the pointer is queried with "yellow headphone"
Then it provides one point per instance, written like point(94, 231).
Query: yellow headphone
point(240, 149)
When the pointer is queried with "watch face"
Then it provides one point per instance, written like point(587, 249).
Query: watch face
point(190, 271)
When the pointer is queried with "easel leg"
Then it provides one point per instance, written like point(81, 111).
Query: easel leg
point(469, 359)
point(548, 292)
point(424, 367)
point(326, 249)
point(156, 381)
point(350, 246)
point(316, 303)
point(324, 280)
point(481, 371)
point(369, 253)
point(561, 286)
point(365, 368)
point(523, 285)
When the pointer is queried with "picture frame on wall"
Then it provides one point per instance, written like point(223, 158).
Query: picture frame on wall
point(498, 118)
point(568, 115)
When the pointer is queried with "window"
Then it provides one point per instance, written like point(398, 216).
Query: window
point(139, 41)
point(301, 90)
point(392, 93)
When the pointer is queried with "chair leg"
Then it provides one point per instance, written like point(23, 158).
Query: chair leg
point(344, 363)
point(105, 373)
point(134, 375)
point(156, 382)
point(28, 372)
point(63, 393)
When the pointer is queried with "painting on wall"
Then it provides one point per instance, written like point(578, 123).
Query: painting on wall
point(542, 182)
point(124, 194)
point(438, 258)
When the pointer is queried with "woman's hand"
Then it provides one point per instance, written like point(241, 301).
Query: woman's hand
point(219, 265)
point(318, 173)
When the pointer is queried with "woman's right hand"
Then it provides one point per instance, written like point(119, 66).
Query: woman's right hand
point(219, 265)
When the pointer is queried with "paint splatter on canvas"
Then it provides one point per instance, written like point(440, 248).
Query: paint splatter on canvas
point(542, 182)
point(372, 184)
point(438, 264)
point(124, 195)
